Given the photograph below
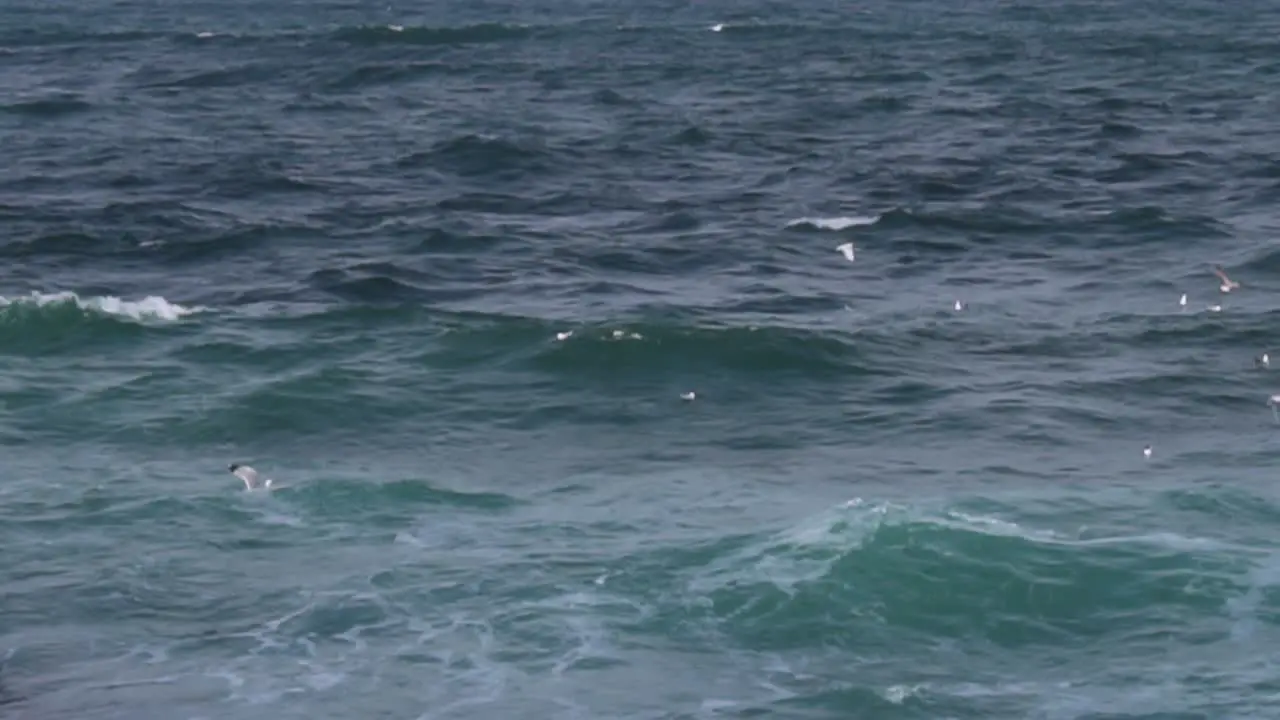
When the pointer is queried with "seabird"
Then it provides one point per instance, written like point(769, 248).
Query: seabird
point(846, 250)
point(1263, 360)
point(1146, 452)
point(249, 476)
point(1227, 283)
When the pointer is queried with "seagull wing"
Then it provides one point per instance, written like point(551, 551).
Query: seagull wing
point(1217, 270)
point(248, 475)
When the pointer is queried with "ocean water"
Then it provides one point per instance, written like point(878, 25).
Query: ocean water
point(337, 241)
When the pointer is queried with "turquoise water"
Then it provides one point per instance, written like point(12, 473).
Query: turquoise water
point(337, 241)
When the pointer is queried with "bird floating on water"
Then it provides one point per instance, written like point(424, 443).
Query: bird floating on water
point(1227, 283)
point(688, 396)
point(249, 476)
point(1146, 452)
point(1263, 360)
point(1183, 300)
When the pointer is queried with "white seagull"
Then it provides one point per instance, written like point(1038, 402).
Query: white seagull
point(846, 250)
point(249, 476)
point(1227, 283)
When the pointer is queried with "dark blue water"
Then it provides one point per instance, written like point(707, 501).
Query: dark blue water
point(444, 273)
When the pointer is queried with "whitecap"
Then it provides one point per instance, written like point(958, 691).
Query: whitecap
point(150, 307)
point(897, 694)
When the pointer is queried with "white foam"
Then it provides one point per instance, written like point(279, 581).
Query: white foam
point(150, 307)
point(835, 223)
point(807, 550)
point(800, 553)
point(897, 694)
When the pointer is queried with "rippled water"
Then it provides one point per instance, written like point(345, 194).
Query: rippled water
point(338, 241)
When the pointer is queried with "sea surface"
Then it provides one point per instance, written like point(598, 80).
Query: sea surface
point(447, 272)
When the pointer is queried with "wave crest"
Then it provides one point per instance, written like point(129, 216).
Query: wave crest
point(953, 574)
point(151, 307)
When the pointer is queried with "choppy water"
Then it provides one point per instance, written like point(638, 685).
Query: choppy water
point(336, 241)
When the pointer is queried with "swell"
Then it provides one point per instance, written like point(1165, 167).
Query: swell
point(481, 33)
point(612, 350)
point(360, 35)
point(474, 156)
point(44, 323)
point(871, 577)
point(385, 335)
point(54, 106)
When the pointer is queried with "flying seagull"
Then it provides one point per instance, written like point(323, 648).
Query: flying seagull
point(1227, 283)
point(249, 476)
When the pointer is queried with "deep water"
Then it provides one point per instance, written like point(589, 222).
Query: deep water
point(340, 241)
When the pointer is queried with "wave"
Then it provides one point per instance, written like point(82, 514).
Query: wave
point(151, 307)
point(645, 348)
point(423, 35)
point(475, 155)
point(865, 573)
point(48, 107)
point(395, 496)
point(19, 36)
point(383, 73)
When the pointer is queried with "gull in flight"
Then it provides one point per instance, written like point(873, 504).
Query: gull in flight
point(1227, 283)
point(249, 476)
point(846, 250)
